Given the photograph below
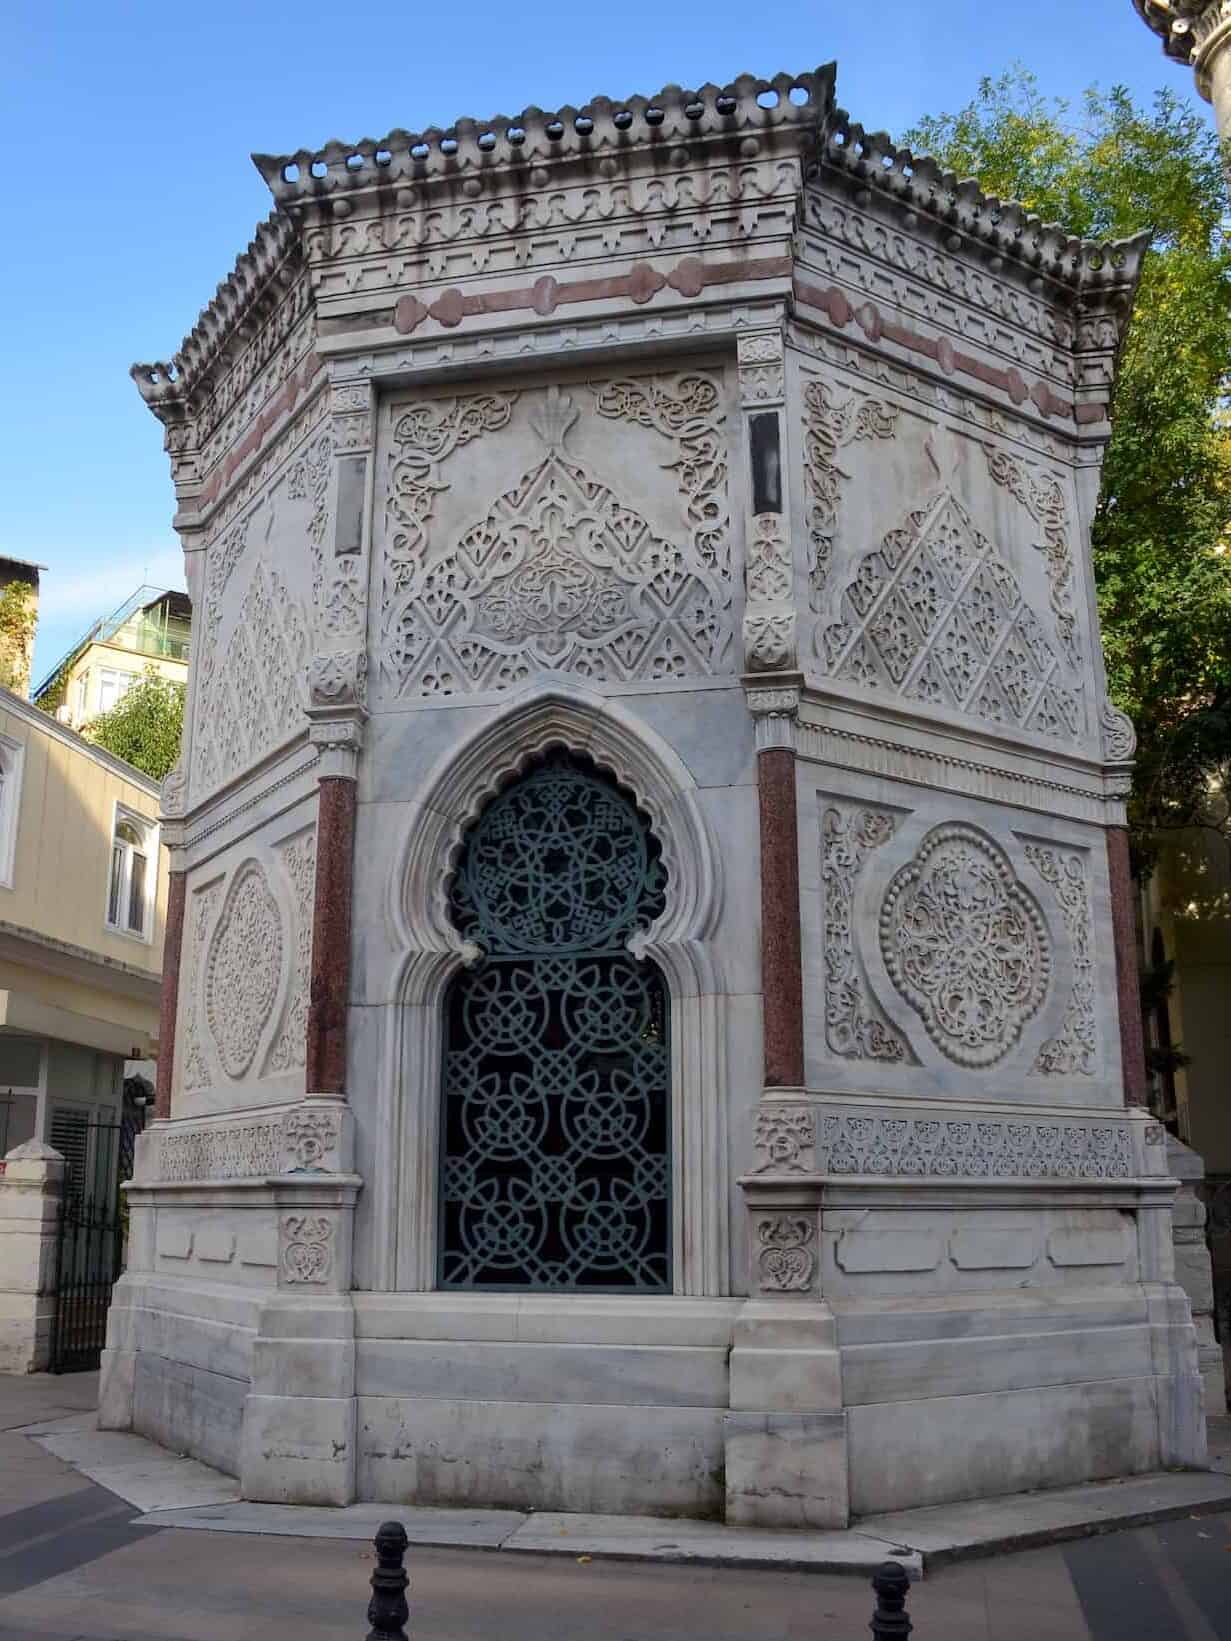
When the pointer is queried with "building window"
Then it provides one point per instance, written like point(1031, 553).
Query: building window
point(132, 875)
point(12, 758)
point(556, 1151)
point(83, 696)
point(112, 685)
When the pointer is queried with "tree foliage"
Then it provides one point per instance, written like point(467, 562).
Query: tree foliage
point(145, 726)
point(1161, 536)
point(18, 619)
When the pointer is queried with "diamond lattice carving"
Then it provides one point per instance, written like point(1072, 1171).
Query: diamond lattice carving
point(934, 614)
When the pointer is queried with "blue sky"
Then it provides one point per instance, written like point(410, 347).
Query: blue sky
point(127, 130)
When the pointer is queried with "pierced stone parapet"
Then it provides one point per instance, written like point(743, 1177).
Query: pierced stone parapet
point(471, 149)
point(873, 161)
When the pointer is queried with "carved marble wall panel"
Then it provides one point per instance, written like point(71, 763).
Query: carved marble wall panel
point(950, 947)
point(582, 529)
point(263, 566)
point(246, 958)
point(941, 568)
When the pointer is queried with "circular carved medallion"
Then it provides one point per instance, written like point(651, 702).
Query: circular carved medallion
point(966, 945)
point(244, 969)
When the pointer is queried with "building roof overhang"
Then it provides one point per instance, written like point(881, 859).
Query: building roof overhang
point(614, 141)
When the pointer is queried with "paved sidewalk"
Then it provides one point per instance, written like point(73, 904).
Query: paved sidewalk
point(173, 1491)
point(78, 1563)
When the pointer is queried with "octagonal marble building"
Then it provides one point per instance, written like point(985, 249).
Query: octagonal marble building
point(650, 1018)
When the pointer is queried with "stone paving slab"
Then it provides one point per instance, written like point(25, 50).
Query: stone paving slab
point(944, 1532)
point(139, 1471)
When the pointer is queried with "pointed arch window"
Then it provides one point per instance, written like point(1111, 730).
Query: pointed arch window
point(555, 1127)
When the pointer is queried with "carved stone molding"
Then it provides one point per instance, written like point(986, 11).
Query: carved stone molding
point(304, 1139)
point(785, 1139)
point(973, 1148)
point(854, 1027)
point(966, 945)
point(786, 1252)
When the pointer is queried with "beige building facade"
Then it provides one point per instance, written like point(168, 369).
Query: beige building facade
point(150, 631)
point(82, 903)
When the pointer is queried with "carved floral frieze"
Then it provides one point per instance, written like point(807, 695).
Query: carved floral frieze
point(1074, 1050)
point(784, 1139)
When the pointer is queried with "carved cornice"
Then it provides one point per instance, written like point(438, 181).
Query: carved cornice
point(1190, 30)
point(960, 208)
point(250, 292)
point(636, 129)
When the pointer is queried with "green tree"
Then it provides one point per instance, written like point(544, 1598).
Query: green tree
point(145, 726)
point(1161, 536)
point(18, 619)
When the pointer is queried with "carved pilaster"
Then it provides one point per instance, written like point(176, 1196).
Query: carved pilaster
point(769, 573)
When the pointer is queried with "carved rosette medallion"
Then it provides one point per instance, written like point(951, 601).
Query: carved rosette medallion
point(966, 945)
point(784, 1140)
point(244, 969)
point(308, 1139)
point(786, 1254)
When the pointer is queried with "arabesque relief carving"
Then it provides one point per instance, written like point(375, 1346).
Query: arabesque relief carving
point(195, 1072)
point(289, 1047)
point(559, 572)
point(935, 614)
point(244, 968)
point(830, 424)
point(1075, 1048)
point(965, 944)
point(853, 1025)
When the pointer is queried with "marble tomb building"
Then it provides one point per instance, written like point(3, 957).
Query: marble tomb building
point(650, 1021)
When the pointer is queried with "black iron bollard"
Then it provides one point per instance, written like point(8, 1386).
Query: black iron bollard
point(387, 1610)
point(890, 1621)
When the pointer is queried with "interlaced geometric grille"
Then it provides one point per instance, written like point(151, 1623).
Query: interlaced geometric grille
point(556, 1136)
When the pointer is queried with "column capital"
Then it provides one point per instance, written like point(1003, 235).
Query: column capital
point(1192, 32)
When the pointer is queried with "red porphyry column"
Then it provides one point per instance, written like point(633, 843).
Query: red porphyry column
point(173, 940)
point(330, 990)
point(1124, 927)
point(781, 960)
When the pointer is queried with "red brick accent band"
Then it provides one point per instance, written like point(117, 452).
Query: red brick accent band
point(168, 1006)
point(690, 276)
point(330, 992)
point(839, 310)
point(1124, 927)
point(782, 983)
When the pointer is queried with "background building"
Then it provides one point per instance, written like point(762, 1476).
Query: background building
point(150, 629)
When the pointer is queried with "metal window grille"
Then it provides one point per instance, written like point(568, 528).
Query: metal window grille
point(555, 1153)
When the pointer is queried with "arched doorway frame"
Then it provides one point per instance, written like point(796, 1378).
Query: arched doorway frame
point(681, 943)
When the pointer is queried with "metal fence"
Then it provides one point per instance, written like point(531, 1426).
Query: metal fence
point(98, 1157)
